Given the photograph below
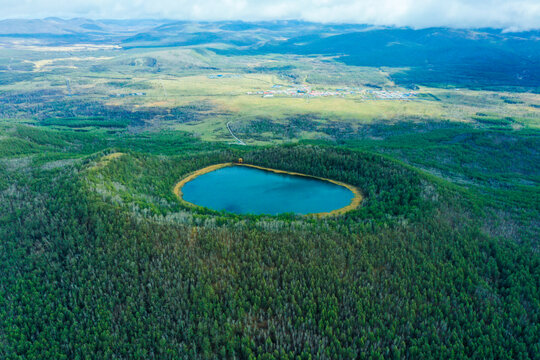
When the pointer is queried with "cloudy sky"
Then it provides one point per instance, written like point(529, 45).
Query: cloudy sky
point(516, 14)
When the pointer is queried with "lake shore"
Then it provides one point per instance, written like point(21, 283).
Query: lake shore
point(355, 202)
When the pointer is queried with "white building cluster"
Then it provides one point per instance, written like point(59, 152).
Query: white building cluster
point(306, 91)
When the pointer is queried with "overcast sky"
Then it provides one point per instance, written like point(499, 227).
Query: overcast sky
point(519, 14)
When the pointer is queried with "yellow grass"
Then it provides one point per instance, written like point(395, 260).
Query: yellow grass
point(178, 187)
point(355, 202)
point(40, 64)
point(346, 109)
point(201, 85)
point(105, 160)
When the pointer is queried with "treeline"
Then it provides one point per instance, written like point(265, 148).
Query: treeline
point(53, 107)
point(84, 121)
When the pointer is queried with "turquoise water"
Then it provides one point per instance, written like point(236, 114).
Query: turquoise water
point(245, 190)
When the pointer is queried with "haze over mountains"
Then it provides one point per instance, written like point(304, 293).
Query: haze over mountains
point(64, 31)
point(474, 57)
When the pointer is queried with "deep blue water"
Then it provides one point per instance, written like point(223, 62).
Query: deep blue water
point(245, 190)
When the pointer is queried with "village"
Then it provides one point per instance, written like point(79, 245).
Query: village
point(306, 91)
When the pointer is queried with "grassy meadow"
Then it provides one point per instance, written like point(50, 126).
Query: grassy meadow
point(171, 78)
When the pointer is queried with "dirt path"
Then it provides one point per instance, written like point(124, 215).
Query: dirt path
point(237, 139)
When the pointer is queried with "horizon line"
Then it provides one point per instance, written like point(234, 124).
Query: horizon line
point(277, 20)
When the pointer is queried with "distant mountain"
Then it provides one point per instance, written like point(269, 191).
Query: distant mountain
point(408, 47)
point(235, 33)
point(484, 57)
point(435, 56)
point(56, 30)
point(159, 33)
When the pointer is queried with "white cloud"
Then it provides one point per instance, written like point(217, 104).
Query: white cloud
point(517, 14)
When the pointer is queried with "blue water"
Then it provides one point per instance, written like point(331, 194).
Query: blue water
point(245, 190)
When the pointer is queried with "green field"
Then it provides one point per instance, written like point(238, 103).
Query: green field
point(167, 79)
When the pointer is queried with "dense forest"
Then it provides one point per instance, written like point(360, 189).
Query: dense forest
point(98, 259)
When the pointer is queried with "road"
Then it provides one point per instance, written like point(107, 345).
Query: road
point(234, 136)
